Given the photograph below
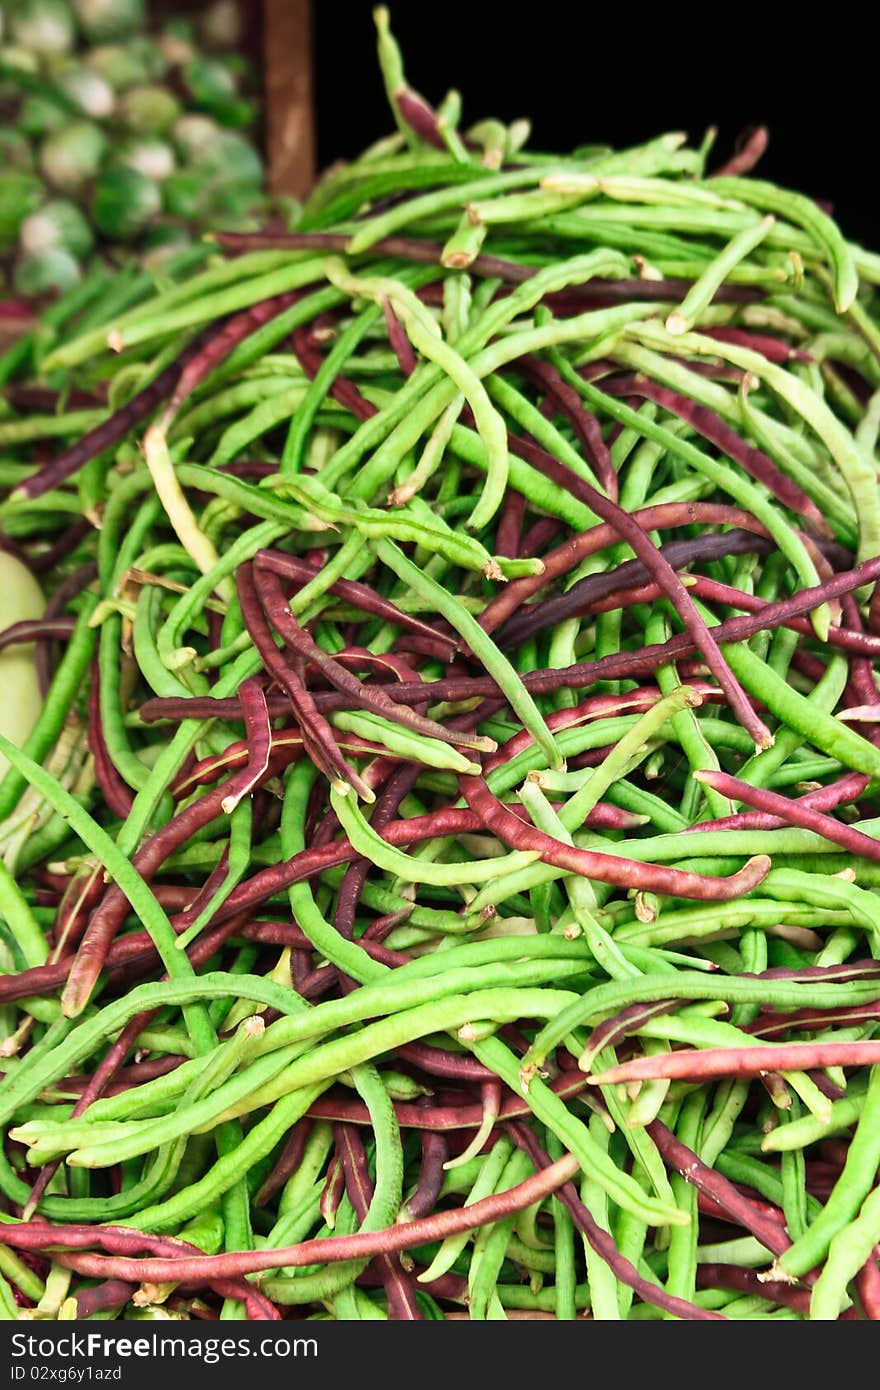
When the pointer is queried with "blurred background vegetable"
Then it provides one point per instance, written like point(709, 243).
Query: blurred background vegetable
point(120, 132)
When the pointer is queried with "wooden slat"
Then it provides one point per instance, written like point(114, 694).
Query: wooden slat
point(290, 119)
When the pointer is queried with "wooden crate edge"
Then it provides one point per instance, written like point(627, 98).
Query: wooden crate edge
point(289, 95)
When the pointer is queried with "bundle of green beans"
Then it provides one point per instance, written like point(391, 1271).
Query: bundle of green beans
point(441, 875)
point(120, 138)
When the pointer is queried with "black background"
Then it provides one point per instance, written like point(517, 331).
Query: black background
point(619, 73)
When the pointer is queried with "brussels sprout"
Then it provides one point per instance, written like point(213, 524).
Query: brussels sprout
point(88, 90)
point(162, 242)
point(20, 195)
point(149, 156)
point(19, 59)
point(72, 155)
point(56, 223)
point(194, 133)
point(211, 201)
point(118, 65)
point(52, 269)
point(177, 42)
point(180, 29)
point(110, 19)
point(239, 65)
point(38, 115)
point(213, 86)
point(220, 24)
point(231, 157)
point(236, 114)
point(123, 202)
point(11, 75)
point(166, 236)
point(150, 109)
point(44, 26)
point(181, 194)
point(231, 206)
point(15, 150)
point(209, 81)
point(147, 51)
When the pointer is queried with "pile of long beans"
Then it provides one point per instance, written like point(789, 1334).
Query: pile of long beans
point(440, 880)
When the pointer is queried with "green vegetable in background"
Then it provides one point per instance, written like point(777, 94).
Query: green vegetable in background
point(87, 89)
point(119, 64)
point(15, 151)
point(38, 115)
point(149, 109)
point(149, 156)
point(54, 268)
point(20, 195)
point(47, 27)
point(110, 19)
point(57, 223)
point(71, 156)
point(91, 88)
point(124, 202)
